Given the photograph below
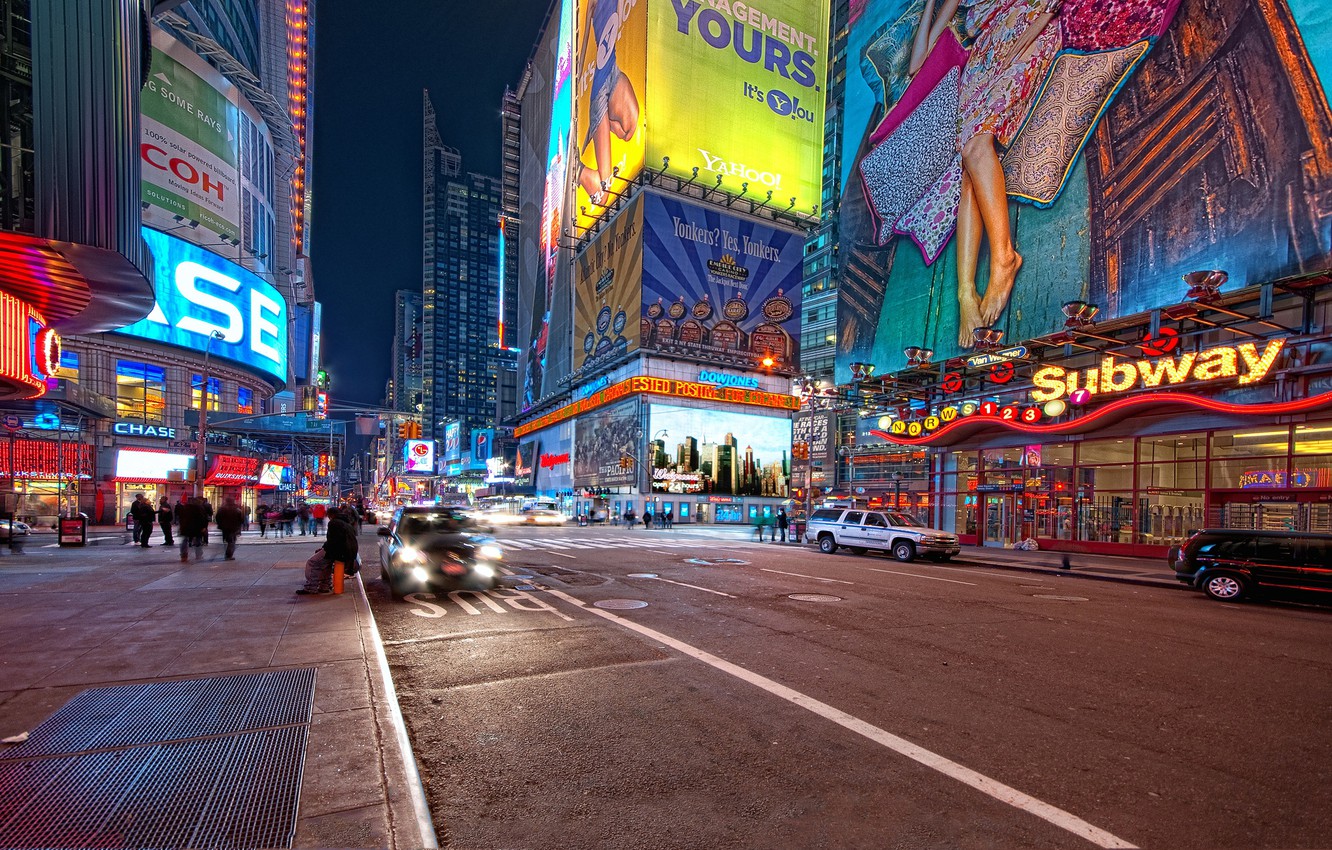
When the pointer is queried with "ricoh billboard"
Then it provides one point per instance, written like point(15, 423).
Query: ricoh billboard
point(189, 146)
point(199, 294)
point(1012, 157)
point(741, 88)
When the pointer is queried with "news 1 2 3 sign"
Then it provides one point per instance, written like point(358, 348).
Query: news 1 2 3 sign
point(199, 292)
point(29, 351)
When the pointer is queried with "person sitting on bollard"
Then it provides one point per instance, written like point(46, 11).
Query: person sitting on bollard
point(340, 545)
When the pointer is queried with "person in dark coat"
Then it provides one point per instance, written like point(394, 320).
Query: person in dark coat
point(144, 516)
point(165, 516)
point(230, 518)
point(193, 521)
point(340, 544)
point(783, 523)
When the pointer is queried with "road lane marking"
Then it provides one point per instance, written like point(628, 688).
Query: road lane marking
point(802, 575)
point(918, 575)
point(971, 778)
point(694, 586)
point(659, 552)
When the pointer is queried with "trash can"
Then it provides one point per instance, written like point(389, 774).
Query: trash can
point(72, 531)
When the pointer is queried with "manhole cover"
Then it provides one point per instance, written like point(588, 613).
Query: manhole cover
point(814, 597)
point(641, 575)
point(620, 604)
point(1061, 598)
point(715, 562)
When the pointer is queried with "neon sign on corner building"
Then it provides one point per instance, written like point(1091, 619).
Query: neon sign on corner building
point(199, 292)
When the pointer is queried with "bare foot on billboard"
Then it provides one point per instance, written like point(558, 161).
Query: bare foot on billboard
point(968, 319)
point(1003, 271)
point(591, 183)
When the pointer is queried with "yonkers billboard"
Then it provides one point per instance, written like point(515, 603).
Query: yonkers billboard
point(608, 290)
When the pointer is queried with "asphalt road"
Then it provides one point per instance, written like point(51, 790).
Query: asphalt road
point(617, 695)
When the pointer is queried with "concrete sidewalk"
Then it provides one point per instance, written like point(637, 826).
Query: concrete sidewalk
point(117, 615)
point(1103, 567)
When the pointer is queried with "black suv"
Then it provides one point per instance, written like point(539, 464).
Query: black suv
point(1229, 565)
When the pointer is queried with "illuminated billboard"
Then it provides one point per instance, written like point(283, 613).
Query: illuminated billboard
point(452, 442)
point(418, 457)
point(718, 285)
point(741, 85)
point(608, 446)
point(717, 451)
point(1103, 170)
point(608, 291)
point(199, 293)
point(189, 146)
point(609, 86)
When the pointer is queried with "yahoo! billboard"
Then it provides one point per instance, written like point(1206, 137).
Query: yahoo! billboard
point(199, 293)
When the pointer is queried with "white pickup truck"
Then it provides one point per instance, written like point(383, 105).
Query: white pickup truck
point(891, 531)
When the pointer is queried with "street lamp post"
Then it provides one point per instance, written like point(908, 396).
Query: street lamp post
point(203, 418)
point(897, 491)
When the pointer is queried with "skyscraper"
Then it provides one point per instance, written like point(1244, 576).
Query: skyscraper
point(460, 290)
point(405, 388)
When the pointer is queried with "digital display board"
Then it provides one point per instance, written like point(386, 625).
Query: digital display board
point(718, 451)
point(198, 293)
point(741, 85)
point(609, 85)
point(608, 447)
point(1077, 180)
point(141, 465)
point(452, 442)
point(418, 457)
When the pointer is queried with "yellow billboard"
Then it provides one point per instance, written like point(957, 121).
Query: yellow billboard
point(735, 97)
point(611, 63)
point(608, 291)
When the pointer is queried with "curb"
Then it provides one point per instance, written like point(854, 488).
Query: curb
point(1088, 573)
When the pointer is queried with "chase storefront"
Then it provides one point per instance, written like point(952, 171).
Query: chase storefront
point(1123, 438)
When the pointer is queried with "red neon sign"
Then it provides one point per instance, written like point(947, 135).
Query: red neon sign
point(40, 459)
point(230, 469)
point(26, 346)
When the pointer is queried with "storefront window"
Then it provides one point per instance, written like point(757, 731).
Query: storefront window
point(244, 400)
point(1167, 517)
point(1056, 454)
point(1105, 451)
point(1189, 475)
point(1010, 458)
point(140, 391)
point(1105, 517)
point(1172, 448)
point(1249, 473)
point(1251, 442)
point(214, 392)
point(1313, 440)
point(1106, 477)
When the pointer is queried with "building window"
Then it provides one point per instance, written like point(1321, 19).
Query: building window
point(214, 392)
point(140, 391)
point(244, 400)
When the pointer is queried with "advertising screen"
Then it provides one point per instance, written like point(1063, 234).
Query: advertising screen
point(198, 293)
point(742, 84)
point(189, 145)
point(602, 440)
point(554, 202)
point(136, 465)
point(271, 474)
point(717, 451)
point(608, 290)
point(610, 62)
point(483, 447)
point(970, 205)
point(525, 463)
point(715, 284)
point(418, 457)
point(452, 442)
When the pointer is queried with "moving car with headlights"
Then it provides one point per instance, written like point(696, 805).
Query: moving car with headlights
point(890, 531)
point(13, 528)
point(542, 516)
point(1229, 564)
point(436, 548)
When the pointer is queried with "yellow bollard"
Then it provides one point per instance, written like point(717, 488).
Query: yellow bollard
point(339, 573)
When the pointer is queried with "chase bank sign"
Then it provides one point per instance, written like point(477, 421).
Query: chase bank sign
point(199, 293)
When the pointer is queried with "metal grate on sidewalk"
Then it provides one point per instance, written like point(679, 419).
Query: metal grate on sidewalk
point(213, 762)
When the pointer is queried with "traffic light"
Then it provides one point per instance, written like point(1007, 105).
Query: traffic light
point(414, 430)
point(404, 431)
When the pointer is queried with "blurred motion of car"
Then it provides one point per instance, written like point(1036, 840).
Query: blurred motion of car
point(13, 528)
point(436, 548)
point(542, 516)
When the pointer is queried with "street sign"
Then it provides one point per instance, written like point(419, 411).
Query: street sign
point(183, 445)
point(12, 422)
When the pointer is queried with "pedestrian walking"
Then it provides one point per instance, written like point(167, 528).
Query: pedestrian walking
point(261, 514)
point(320, 513)
point(783, 523)
point(339, 545)
point(230, 518)
point(245, 526)
point(144, 515)
point(190, 515)
point(668, 518)
point(208, 518)
point(166, 516)
point(303, 517)
point(289, 514)
point(647, 518)
point(760, 523)
point(630, 519)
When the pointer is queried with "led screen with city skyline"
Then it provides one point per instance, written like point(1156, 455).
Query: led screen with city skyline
point(716, 451)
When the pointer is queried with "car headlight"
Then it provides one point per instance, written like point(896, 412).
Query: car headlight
point(410, 555)
point(420, 574)
point(491, 552)
point(484, 570)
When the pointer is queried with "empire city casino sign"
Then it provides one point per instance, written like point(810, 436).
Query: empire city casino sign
point(670, 387)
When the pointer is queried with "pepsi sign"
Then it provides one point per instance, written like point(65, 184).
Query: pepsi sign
point(199, 293)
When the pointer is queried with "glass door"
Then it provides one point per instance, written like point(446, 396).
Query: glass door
point(1000, 519)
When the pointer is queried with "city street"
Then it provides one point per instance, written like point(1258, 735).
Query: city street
point(689, 688)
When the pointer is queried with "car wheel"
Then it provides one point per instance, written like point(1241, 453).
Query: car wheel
point(1225, 587)
point(827, 545)
point(394, 591)
point(857, 550)
point(904, 550)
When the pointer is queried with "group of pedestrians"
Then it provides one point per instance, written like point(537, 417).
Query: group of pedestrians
point(651, 519)
point(190, 519)
point(773, 526)
point(285, 521)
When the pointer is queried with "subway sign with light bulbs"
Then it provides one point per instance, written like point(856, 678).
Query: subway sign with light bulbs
point(1244, 361)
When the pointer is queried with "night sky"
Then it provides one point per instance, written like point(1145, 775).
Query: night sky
point(371, 62)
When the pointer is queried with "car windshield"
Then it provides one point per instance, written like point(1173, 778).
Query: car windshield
point(436, 523)
point(905, 520)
